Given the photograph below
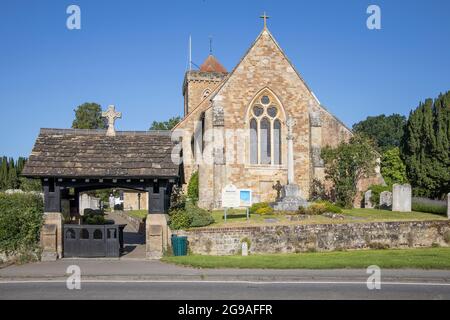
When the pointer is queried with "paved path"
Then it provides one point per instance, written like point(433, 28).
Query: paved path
point(134, 242)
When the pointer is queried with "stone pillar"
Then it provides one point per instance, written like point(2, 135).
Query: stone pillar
point(157, 235)
point(401, 197)
point(52, 236)
point(290, 152)
point(448, 205)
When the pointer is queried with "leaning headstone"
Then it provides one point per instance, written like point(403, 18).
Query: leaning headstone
point(367, 202)
point(401, 197)
point(448, 205)
point(386, 200)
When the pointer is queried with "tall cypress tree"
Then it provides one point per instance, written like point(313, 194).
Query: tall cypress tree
point(425, 147)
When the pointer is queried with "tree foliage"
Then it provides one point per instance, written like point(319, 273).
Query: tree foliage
point(386, 131)
point(393, 169)
point(346, 164)
point(88, 116)
point(425, 147)
point(165, 125)
point(21, 218)
point(10, 171)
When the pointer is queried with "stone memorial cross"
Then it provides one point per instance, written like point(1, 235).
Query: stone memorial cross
point(111, 115)
point(290, 122)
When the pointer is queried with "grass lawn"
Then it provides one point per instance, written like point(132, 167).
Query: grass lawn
point(140, 214)
point(427, 258)
point(237, 218)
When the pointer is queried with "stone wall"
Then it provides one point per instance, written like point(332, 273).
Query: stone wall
point(320, 237)
point(131, 200)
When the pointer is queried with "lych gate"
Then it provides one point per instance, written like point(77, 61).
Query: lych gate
point(73, 161)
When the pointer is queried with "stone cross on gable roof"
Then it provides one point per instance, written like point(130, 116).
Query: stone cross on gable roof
point(111, 115)
point(265, 17)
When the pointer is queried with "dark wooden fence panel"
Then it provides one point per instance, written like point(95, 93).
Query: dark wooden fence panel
point(92, 240)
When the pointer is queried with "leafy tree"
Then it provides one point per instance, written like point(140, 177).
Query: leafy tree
point(425, 147)
point(165, 125)
point(30, 184)
point(346, 164)
point(386, 131)
point(88, 116)
point(393, 169)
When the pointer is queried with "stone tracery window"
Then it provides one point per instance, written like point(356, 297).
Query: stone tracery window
point(265, 131)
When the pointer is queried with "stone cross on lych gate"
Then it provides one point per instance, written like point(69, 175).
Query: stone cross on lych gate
point(111, 115)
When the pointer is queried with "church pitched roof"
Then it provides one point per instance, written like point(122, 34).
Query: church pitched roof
point(90, 153)
point(211, 64)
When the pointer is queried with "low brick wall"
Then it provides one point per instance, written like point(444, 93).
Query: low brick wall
point(320, 237)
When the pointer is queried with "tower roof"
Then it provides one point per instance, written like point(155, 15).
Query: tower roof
point(211, 64)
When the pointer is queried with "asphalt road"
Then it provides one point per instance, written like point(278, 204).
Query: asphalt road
point(207, 290)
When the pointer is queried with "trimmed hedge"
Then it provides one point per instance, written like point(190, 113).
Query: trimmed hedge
point(21, 219)
point(422, 206)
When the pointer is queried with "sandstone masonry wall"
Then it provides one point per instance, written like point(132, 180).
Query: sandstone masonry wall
point(320, 237)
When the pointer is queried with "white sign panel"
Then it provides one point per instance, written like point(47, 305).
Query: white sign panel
point(230, 197)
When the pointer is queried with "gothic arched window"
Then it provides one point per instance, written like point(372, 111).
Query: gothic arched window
point(265, 131)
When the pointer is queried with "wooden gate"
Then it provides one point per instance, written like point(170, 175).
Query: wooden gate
point(92, 240)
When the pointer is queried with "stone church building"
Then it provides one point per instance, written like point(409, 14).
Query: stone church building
point(234, 126)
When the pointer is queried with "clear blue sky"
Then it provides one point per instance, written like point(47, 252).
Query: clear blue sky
point(134, 54)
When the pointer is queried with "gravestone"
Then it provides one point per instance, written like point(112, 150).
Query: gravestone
point(401, 197)
point(244, 249)
point(367, 202)
point(448, 205)
point(386, 200)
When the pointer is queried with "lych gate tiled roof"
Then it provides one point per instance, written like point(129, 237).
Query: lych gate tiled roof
point(90, 153)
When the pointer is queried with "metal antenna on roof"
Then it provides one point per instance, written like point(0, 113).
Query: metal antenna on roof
point(190, 52)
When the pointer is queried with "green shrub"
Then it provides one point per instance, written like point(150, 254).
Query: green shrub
point(180, 220)
point(264, 210)
point(192, 191)
point(376, 191)
point(199, 216)
point(330, 207)
point(93, 212)
point(256, 208)
point(191, 216)
point(301, 210)
point(21, 219)
point(94, 219)
point(316, 208)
